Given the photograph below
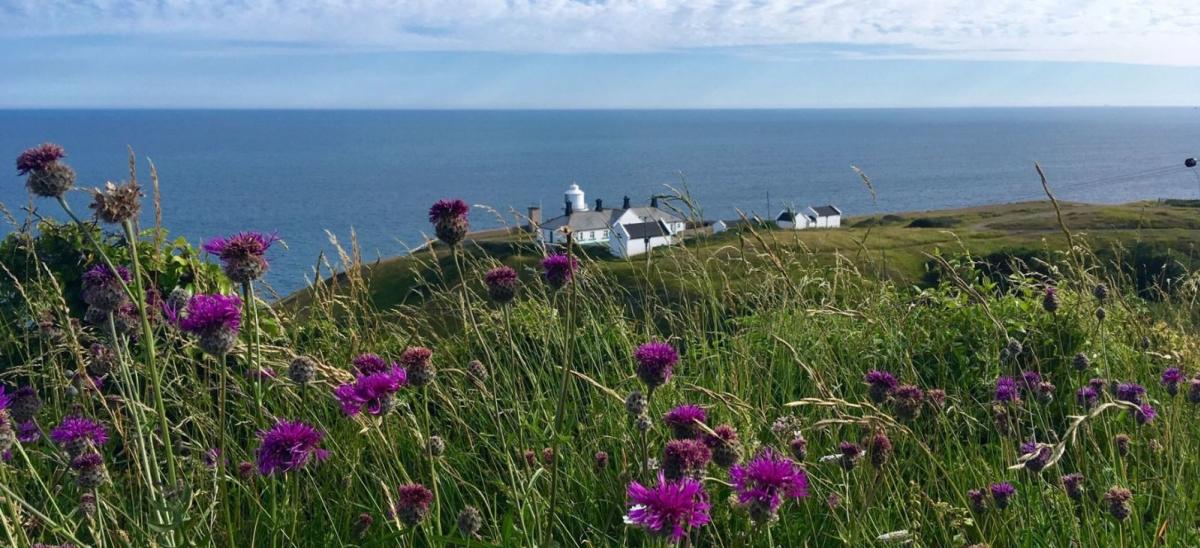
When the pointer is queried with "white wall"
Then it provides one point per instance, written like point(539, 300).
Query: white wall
point(621, 246)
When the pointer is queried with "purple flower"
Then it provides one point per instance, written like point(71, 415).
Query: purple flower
point(1006, 390)
point(1118, 502)
point(907, 399)
point(1145, 414)
point(5, 399)
point(1050, 299)
point(28, 432)
point(683, 419)
point(559, 269)
point(366, 364)
point(978, 500)
point(1130, 392)
point(850, 453)
point(1098, 384)
point(102, 287)
point(1171, 379)
point(765, 481)
point(449, 218)
point(39, 158)
point(1087, 396)
point(880, 384)
point(668, 509)
point(1073, 485)
point(242, 254)
point(655, 363)
point(215, 319)
point(75, 433)
point(1030, 380)
point(1036, 455)
point(501, 284)
point(1001, 493)
point(372, 393)
point(288, 446)
point(684, 457)
point(444, 210)
point(412, 503)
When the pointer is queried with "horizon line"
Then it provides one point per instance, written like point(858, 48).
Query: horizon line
point(580, 109)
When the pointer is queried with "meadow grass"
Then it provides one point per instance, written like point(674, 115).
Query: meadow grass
point(772, 343)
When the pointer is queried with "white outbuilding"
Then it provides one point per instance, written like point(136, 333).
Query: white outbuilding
point(826, 216)
point(788, 219)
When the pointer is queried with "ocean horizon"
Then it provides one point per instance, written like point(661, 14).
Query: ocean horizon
point(301, 172)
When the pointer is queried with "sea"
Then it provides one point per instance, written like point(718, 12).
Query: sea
point(306, 174)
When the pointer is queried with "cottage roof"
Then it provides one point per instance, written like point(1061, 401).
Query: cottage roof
point(584, 220)
point(787, 215)
point(652, 229)
point(827, 210)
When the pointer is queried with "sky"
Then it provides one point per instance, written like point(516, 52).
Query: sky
point(597, 53)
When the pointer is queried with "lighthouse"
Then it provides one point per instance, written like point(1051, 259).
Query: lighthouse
point(574, 199)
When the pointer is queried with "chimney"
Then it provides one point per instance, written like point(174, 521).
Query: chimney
point(535, 217)
point(625, 204)
point(599, 204)
point(569, 208)
point(654, 201)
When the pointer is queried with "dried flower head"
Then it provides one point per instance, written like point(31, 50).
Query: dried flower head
point(1012, 349)
point(412, 503)
point(763, 483)
point(302, 370)
point(477, 370)
point(635, 404)
point(501, 284)
point(1193, 394)
point(1123, 443)
point(449, 218)
point(469, 522)
point(683, 420)
point(600, 459)
point(559, 269)
point(47, 176)
point(436, 446)
point(669, 509)
point(288, 446)
point(116, 204)
point(103, 288)
point(655, 363)
point(1081, 362)
point(907, 400)
point(936, 398)
point(243, 255)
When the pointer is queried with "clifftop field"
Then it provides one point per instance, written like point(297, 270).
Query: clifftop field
point(1018, 375)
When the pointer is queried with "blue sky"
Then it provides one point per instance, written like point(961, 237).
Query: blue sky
point(596, 53)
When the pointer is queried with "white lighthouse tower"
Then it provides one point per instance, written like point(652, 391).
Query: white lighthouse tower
point(574, 199)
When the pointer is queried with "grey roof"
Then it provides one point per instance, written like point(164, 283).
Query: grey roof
point(789, 216)
point(827, 210)
point(602, 220)
point(652, 229)
point(653, 213)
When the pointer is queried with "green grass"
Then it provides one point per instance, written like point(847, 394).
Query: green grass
point(776, 331)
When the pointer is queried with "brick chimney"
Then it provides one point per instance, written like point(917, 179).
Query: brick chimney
point(599, 204)
point(654, 201)
point(625, 204)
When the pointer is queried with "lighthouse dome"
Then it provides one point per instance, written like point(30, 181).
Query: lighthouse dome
point(574, 196)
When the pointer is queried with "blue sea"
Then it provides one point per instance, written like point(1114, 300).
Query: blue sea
point(300, 173)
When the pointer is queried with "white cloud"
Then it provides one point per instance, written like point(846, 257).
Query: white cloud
point(1158, 32)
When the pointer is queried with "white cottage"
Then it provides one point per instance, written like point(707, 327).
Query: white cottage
point(826, 216)
point(788, 219)
point(627, 230)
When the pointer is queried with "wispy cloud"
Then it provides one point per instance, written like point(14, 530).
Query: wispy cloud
point(1158, 32)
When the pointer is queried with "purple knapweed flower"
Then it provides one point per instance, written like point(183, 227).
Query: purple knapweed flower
point(559, 269)
point(879, 449)
point(412, 503)
point(501, 284)
point(5, 399)
point(1030, 380)
point(288, 446)
point(1001, 493)
point(242, 254)
point(38, 158)
point(416, 361)
point(668, 509)
point(684, 457)
point(1144, 414)
point(763, 483)
point(1098, 384)
point(47, 176)
point(28, 432)
point(449, 218)
point(655, 363)
point(102, 287)
point(879, 384)
point(850, 453)
point(683, 419)
point(724, 445)
point(215, 319)
point(1073, 485)
point(366, 364)
point(1050, 299)
point(372, 393)
point(1036, 455)
point(907, 399)
point(1006, 390)
point(1118, 502)
point(1087, 396)
point(76, 433)
point(1171, 379)
point(978, 500)
point(1130, 392)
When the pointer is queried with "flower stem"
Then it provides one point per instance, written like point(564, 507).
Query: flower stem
point(563, 383)
point(255, 345)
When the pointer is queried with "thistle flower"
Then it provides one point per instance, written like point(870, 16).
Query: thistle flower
point(1073, 485)
point(449, 218)
point(5, 399)
point(936, 398)
point(116, 204)
point(879, 449)
point(1081, 362)
point(89, 470)
point(436, 446)
point(724, 445)
point(635, 404)
point(668, 509)
point(288, 446)
point(1037, 456)
point(416, 360)
point(1044, 392)
point(643, 423)
point(365, 364)
point(215, 319)
point(372, 393)
point(47, 177)
point(100, 360)
point(245, 470)
point(684, 458)
point(87, 505)
point(1118, 503)
point(530, 457)
point(469, 522)
point(1001, 493)
point(799, 447)
point(1171, 379)
point(1050, 300)
point(302, 370)
point(28, 432)
point(682, 420)
point(1012, 349)
point(1123, 443)
point(7, 436)
point(907, 400)
point(242, 254)
point(1003, 419)
point(1194, 390)
point(75, 434)
point(1101, 314)
point(978, 500)
point(879, 384)
point(850, 453)
point(559, 269)
point(501, 284)
point(1145, 414)
point(600, 459)
point(412, 503)
point(1100, 292)
point(102, 287)
point(1006, 390)
point(763, 483)
point(1098, 384)
point(1087, 397)
point(1130, 392)
point(655, 363)
point(477, 370)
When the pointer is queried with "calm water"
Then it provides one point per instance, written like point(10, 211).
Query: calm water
point(302, 172)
